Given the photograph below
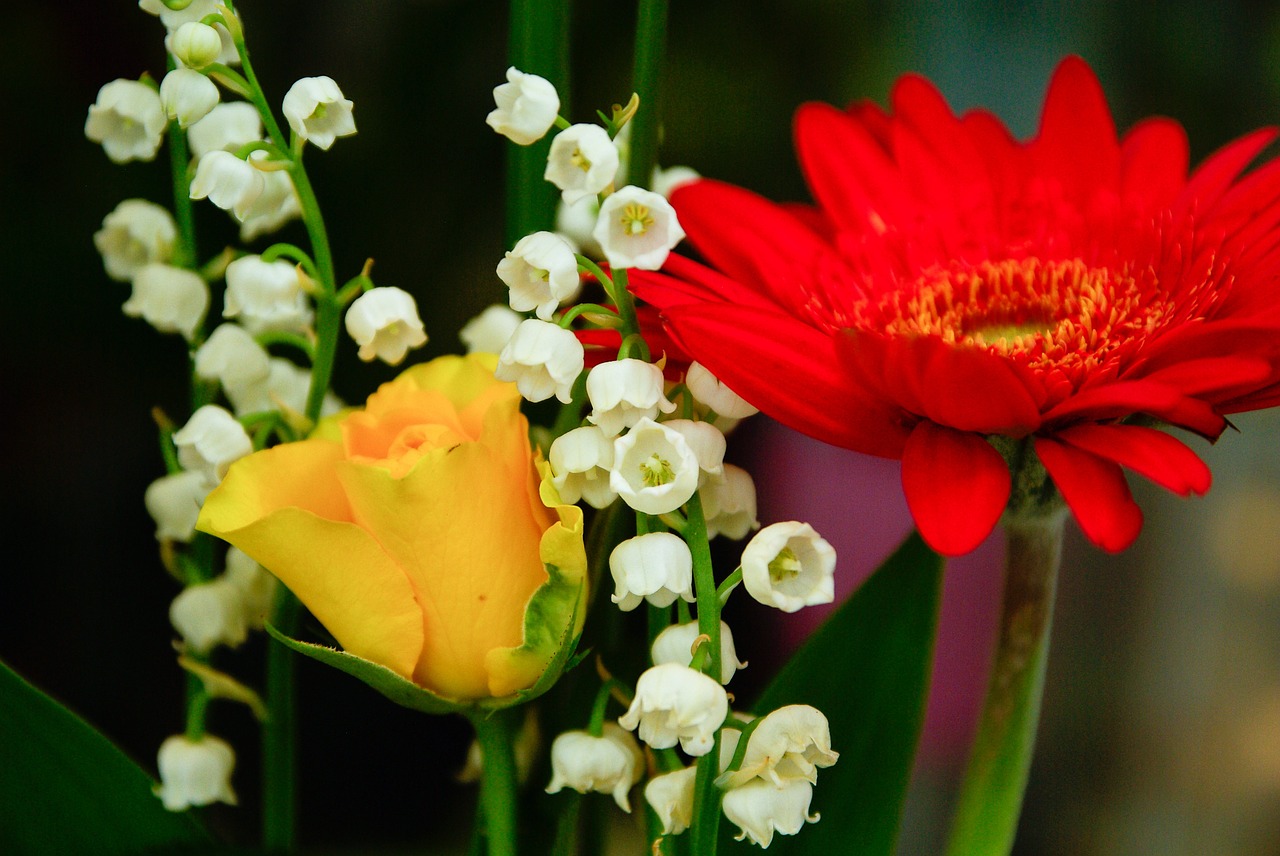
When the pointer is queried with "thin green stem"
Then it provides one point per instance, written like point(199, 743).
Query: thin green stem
point(704, 584)
point(651, 43)
point(986, 818)
point(495, 734)
point(705, 831)
point(729, 584)
point(279, 734)
point(185, 251)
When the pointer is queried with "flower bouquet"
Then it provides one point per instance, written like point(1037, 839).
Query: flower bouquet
point(542, 537)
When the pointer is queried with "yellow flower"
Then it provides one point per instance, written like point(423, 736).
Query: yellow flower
point(420, 533)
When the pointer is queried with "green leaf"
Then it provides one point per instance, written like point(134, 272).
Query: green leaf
point(65, 788)
point(867, 668)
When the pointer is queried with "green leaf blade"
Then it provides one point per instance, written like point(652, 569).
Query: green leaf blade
point(65, 788)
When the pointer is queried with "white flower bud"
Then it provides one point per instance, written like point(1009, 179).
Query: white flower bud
point(609, 764)
point(266, 296)
point(654, 470)
point(673, 703)
point(238, 363)
point(384, 322)
point(541, 273)
point(670, 795)
point(231, 183)
point(195, 44)
point(174, 501)
point(623, 392)
point(527, 106)
point(788, 565)
point(489, 332)
point(173, 20)
point(665, 181)
point(211, 441)
point(759, 809)
point(580, 461)
point(317, 111)
point(256, 586)
point(707, 389)
point(790, 743)
point(187, 95)
point(637, 229)
point(195, 772)
point(209, 614)
point(276, 205)
point(729, 504)
point(171, 299)
point(656, 567)
point(127, 120)
point(675, 645)
point(575, 223)
point(543, 360)
point(708, 445)
point(135, 233)
point(228, 126)
point(582, 162)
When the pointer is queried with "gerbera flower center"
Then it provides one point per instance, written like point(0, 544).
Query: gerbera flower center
point(1059, 314)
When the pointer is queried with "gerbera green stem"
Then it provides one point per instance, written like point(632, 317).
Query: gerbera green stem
point(651, 45)
point(986, 817)
point(539, 44)
point(495, 734)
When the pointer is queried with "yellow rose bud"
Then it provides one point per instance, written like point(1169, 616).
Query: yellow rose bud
point(420, 533)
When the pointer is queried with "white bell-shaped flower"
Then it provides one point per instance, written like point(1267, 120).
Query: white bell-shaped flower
point(195, 772)
point(527, 106)
point(708, 389)
point(656, 567)
point(187, 95)
point(729, 504)
point(575, 223)
point(665, 181)
point(231, 183)
point(674, 704)
point(134, 234)
point(541, 273)
point(317, 111)
point(195, 44)
point(171, 299)
point(708, 445)
point(228, 126)
point(174, 19)
point(266, 296)
point(237, 362)
point(288, 386)
point(543, 360)
point(174, 501)
point(790, 566)
point(211, 441)
point(208, 614)
point(675, 645)
point(580, 463)
point(759, 809)
point(256, 586)
point(582, 162)
point(790, 743)
point(609, 764)
point(623, 392)
point(654, 470)
point(127, 120)
point(384, 322)
point(276, 205)
point(489, 332)
point(670, 795)
point(637, 229)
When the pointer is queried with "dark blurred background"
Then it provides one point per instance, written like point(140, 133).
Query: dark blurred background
point(1161, 731)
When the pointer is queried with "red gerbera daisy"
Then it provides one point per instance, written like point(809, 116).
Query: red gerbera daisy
point(954, 286)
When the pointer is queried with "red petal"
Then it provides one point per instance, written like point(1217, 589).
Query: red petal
point(956, 485)
point(1153, 162)
point(1077, 139)
point(1125, 398)
point(1216, 173)
point(791, 372)
point(1215, 378)
point(1096, 493)
point(1164, 459)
